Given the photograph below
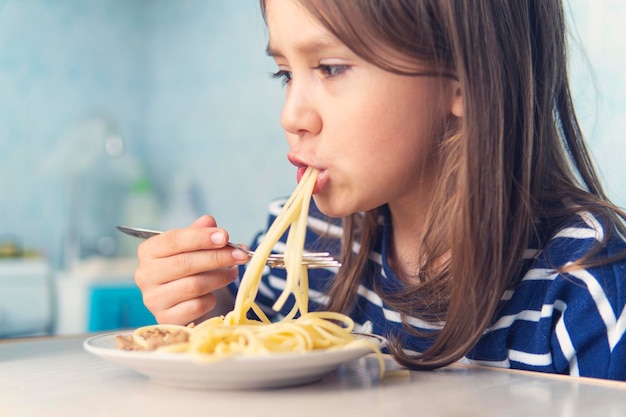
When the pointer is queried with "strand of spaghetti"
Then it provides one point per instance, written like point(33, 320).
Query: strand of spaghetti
point(296, 194)
point(260, 313)
point(208, 323)
point(292, 313)
point(301, 294)
point(249, 285)
point(337, 336)
point(310, 172)
point(291, 269)
point(293, 252)
point(248, 288)
point(287, 337)
point(301, 287)
point(330, 316)
point(303, 290)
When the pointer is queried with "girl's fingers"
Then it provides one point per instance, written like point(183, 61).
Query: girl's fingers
point(204, 221)
point(186, 311)
point(177, 241)
point(152, 271)
point(188, 298)
point(180, 269)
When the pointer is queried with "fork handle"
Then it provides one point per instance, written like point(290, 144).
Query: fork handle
point(275, 260)
point(138, 232)
point(146, 233)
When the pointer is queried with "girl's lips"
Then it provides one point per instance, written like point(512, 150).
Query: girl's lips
point(322, 178)
point(300, 173)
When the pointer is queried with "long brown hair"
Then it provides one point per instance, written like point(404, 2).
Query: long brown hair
point(516, 154)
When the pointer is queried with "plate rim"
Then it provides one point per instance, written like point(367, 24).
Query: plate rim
point(232, 372)
point(111, 351)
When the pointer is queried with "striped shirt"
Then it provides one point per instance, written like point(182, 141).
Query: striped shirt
point(566, 323)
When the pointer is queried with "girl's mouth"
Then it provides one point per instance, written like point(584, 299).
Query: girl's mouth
point(322, 178)
point(300, 173)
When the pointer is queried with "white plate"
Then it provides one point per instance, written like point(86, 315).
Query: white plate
point(241, 372)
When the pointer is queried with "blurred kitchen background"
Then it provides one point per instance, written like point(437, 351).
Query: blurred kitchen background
point(153, 112)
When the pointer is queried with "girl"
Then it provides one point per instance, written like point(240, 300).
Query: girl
point(467, 214)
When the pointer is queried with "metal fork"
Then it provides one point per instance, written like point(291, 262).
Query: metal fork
point(274, 260)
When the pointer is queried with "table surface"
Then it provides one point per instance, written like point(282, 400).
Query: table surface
point(57, 377)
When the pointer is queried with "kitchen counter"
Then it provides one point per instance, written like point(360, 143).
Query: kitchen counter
point(57, 377)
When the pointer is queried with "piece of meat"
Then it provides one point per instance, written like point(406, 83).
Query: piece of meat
point(154, 337)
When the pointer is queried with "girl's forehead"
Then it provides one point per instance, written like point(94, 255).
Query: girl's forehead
point(304, 45)
point(291, 27)
point(294, 30)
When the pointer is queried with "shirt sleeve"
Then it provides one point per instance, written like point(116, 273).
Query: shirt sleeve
point(589, 322)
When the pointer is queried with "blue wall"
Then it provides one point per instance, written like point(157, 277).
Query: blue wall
point(185, 85)
point(598, 60)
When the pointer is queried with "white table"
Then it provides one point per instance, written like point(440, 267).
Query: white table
point(56, 377)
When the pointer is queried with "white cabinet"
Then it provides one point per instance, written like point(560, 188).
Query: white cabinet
point(26, 297)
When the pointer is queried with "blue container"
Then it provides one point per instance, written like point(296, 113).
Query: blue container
point(117, 306)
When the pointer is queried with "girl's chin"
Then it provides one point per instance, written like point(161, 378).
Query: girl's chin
point(323, 202)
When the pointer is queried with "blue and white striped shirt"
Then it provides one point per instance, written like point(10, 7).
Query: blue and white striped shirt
point(572, 323)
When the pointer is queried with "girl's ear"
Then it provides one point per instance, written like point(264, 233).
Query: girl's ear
point(457, 108)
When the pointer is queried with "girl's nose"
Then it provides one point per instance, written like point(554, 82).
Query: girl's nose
point(300, 116)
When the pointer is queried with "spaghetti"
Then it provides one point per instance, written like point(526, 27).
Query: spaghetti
point(299, 331)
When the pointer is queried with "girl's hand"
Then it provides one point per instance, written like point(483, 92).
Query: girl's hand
point(180, 270)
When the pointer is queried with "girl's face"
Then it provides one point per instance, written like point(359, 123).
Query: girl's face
point(369, 132)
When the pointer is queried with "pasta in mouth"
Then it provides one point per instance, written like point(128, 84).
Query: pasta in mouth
point(236, 334)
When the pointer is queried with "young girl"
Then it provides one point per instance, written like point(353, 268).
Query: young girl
point(454, 185)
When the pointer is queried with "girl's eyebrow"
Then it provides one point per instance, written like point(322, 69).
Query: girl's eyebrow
point(309, 46)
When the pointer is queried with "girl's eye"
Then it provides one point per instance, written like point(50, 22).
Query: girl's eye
point(283, 75)
point(330, 71)
point(327, 71)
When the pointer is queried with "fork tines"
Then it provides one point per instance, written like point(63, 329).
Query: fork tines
point(308, 255)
